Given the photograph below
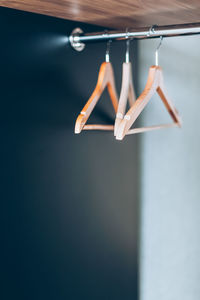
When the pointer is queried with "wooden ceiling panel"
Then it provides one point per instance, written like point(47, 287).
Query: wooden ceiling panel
point(113, 13)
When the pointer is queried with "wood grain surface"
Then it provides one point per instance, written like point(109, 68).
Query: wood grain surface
point(113, 13)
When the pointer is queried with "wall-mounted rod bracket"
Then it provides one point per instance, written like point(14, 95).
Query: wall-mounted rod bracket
point(78, 39)
point(74, 39)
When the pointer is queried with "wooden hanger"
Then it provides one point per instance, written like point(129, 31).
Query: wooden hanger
point(127, 91)
point(154, 84)
point(105, 79)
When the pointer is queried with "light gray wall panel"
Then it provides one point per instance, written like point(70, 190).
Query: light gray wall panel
point(170, 188)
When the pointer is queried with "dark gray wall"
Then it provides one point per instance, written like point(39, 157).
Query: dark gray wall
point(68, 203)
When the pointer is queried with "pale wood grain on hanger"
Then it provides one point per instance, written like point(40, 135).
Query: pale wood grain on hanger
point(105, 79)
point(154, 84)
point(127, 93)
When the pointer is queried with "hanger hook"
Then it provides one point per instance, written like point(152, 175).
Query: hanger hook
point(108, 51)
point(127, 46)
point(156, 53)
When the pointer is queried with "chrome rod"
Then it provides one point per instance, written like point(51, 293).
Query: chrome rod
point(78, 39)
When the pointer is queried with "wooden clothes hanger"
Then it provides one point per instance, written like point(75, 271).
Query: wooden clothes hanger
point(127, 90)
point(155, 83)
point(105, 79)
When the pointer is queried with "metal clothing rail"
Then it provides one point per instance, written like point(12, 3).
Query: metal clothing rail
point(78, 38)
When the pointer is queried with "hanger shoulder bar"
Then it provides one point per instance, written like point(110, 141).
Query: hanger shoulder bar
point(167, 101)
point(127, 93)
point(105, 78)
point(140, 103)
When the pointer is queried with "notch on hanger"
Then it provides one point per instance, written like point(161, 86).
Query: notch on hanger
point(105, 79)
point(155, 83)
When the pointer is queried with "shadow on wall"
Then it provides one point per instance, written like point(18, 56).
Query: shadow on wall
point(69, 203)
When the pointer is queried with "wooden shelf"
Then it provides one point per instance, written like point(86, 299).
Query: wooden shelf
point(112, 13)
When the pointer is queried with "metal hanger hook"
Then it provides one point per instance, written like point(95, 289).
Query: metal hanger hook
point(127, 51)
point(108, 51)
point(127, 46)
point(156, 53)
